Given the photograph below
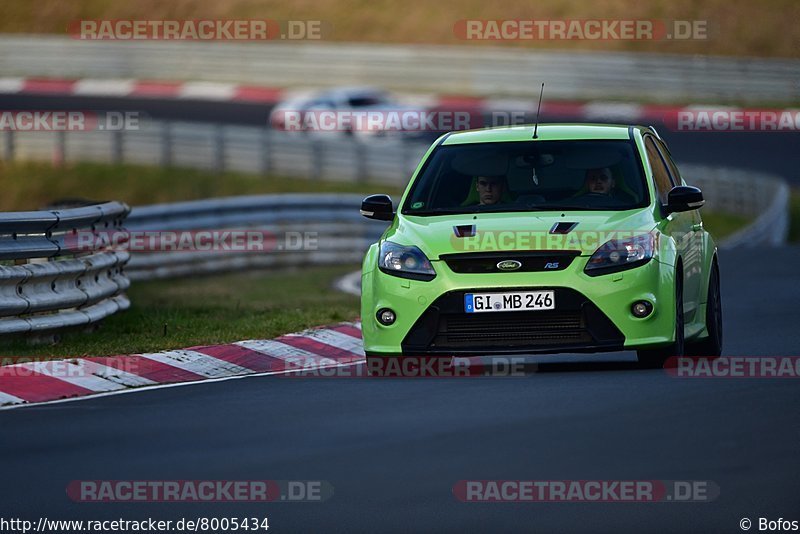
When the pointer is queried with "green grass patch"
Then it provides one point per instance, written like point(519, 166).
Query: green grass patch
point(721, 225)
point(29, 186)
point(172, 314)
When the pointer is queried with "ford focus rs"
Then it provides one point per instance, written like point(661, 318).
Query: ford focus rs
point(575, 238)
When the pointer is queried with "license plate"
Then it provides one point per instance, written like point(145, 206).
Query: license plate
point(517, 301)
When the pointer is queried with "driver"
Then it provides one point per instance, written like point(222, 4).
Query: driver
point(490, 189)
point(600, 181)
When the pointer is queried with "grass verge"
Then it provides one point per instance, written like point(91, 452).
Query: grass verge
point(172, 314)
point(29, 186)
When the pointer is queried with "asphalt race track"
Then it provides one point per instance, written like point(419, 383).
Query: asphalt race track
point(393, 448)
point(774, 152)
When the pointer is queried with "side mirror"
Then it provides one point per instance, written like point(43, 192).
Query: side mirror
point(378, 207)
point(684, 198)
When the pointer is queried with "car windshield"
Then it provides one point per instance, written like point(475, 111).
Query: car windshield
point(529, 176)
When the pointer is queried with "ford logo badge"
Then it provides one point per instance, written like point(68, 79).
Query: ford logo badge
point(509, 265)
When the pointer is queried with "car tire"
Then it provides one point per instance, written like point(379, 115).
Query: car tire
point(712, 345)
point(655, 358)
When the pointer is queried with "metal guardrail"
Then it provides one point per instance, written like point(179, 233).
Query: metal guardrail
point(54, 281)
point(467, 69)
point(218, 147)
point(322, 229)
point(760, 196)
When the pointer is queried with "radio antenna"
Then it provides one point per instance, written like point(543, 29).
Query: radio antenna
point(538, 109)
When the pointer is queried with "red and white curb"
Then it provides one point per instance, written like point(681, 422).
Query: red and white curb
point(54, 380)
point(230, 92)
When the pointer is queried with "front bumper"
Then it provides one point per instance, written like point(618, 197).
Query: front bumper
point(592, 313)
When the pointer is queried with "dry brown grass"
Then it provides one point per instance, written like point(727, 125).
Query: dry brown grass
point(739, 27)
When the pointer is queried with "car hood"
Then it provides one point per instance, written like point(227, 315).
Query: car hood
point(488, 232)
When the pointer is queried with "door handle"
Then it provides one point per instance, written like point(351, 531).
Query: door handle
point(697, 227)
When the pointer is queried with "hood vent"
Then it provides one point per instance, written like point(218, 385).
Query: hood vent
point(563, 227)
point(465, 230)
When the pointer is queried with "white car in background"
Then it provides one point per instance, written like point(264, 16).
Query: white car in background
point(309, 112)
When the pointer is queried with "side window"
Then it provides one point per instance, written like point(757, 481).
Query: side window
point(673, 169)
point(660, 173)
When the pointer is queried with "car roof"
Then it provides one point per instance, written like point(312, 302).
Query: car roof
point(545, 132)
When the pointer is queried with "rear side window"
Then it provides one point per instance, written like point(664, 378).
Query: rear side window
point(660, 173)
point(673, 169)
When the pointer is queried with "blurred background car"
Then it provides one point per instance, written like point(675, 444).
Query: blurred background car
point(306, 110)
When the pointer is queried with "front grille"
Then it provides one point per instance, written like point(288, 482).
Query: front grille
point(576, 324)
point(529, 261)
point(512, 329)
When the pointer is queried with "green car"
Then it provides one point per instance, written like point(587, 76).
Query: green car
point(576, 238)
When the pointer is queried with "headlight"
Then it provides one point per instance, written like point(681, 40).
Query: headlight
point(405, 262)
point(621, 254)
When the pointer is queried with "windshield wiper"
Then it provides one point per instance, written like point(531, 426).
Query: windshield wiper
point(506, 208)
point(477, 209)
point(501, 208)
point(438, 211)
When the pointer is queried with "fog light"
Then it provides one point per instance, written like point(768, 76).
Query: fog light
point(386, 316)
point(641, 308)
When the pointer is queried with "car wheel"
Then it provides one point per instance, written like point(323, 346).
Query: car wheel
point(655, 358)
point(712, 345)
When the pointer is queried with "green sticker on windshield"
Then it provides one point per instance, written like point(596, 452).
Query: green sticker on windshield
point(417, 205)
